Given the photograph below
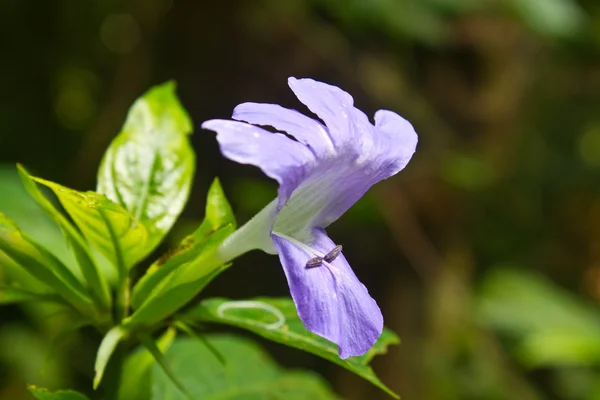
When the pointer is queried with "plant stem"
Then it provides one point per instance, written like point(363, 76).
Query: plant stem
point(123, 298)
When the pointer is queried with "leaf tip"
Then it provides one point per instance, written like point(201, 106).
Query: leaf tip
point(21, 170)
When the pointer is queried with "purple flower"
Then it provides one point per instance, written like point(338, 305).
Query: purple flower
point(321, 173)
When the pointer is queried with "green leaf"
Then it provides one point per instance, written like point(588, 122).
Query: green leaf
point(43, 265)
point(10, 295)
point(21, 208)
point(218, 215)
point(183, 284)
point(136, 376)
point(552, 326)
point(276, 319)
point(149, 166)
point(106, 225)
point(45, 394)
point(152, 347)
point(218, 209)
point(190, 332)
point(67, 330)
point(98, 284)
point(107, 347)
point(248, 374)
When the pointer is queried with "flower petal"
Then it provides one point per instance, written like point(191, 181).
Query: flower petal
point(330, 300)
point(278, 156)
point(398, 136)
point(306, 130)
point(333, 186)
point(334, 107)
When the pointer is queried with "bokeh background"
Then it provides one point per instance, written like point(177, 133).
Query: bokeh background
point(484, 253)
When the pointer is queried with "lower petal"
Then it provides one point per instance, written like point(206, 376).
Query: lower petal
point(330, 300)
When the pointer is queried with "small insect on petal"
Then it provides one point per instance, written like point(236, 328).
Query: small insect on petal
point(332, 255)
point(314, 262)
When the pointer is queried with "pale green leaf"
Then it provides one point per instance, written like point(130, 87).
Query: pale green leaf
point(97, 283)
point(95, 215)
point(106, 349)
point(276, 319)
point(149, 166)
point(218, 209)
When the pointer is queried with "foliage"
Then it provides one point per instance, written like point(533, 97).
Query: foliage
point(143, 184)
point(504, 96)
point(276, 320)
point(247, 372)
point(553, 327)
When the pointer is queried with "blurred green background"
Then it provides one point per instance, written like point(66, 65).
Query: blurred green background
point(484, 254)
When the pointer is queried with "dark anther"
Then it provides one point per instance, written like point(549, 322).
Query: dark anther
point(314, 262)
point(332, 255)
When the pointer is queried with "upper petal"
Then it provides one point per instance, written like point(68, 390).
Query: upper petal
point(398, 136)
point(306, 130)
point(278, 156)
point(334, 106)
point(330, 300)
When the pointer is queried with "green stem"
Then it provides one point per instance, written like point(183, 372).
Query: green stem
point(123, 298)
point(254, 234)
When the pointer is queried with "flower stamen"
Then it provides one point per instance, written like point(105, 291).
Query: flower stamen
point(332, 255)
point(314, 262)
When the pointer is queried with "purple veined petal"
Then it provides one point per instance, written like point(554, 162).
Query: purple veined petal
point(333, 106)
point(330, 300)
point(306, 130)
point(398, 136)
point(278, 156)
point(393, 143)
point(328, 192)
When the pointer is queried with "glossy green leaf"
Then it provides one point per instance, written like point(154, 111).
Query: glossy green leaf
point(97, 283)
point(249, 373)
point(148, 168)
point(96, 216)
point(183, 284)
point(106, 349)
point(551, 326)
point(45, 394)
point(43, 265)
point(276, 319)
point(136, 376)
point(218, 215)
